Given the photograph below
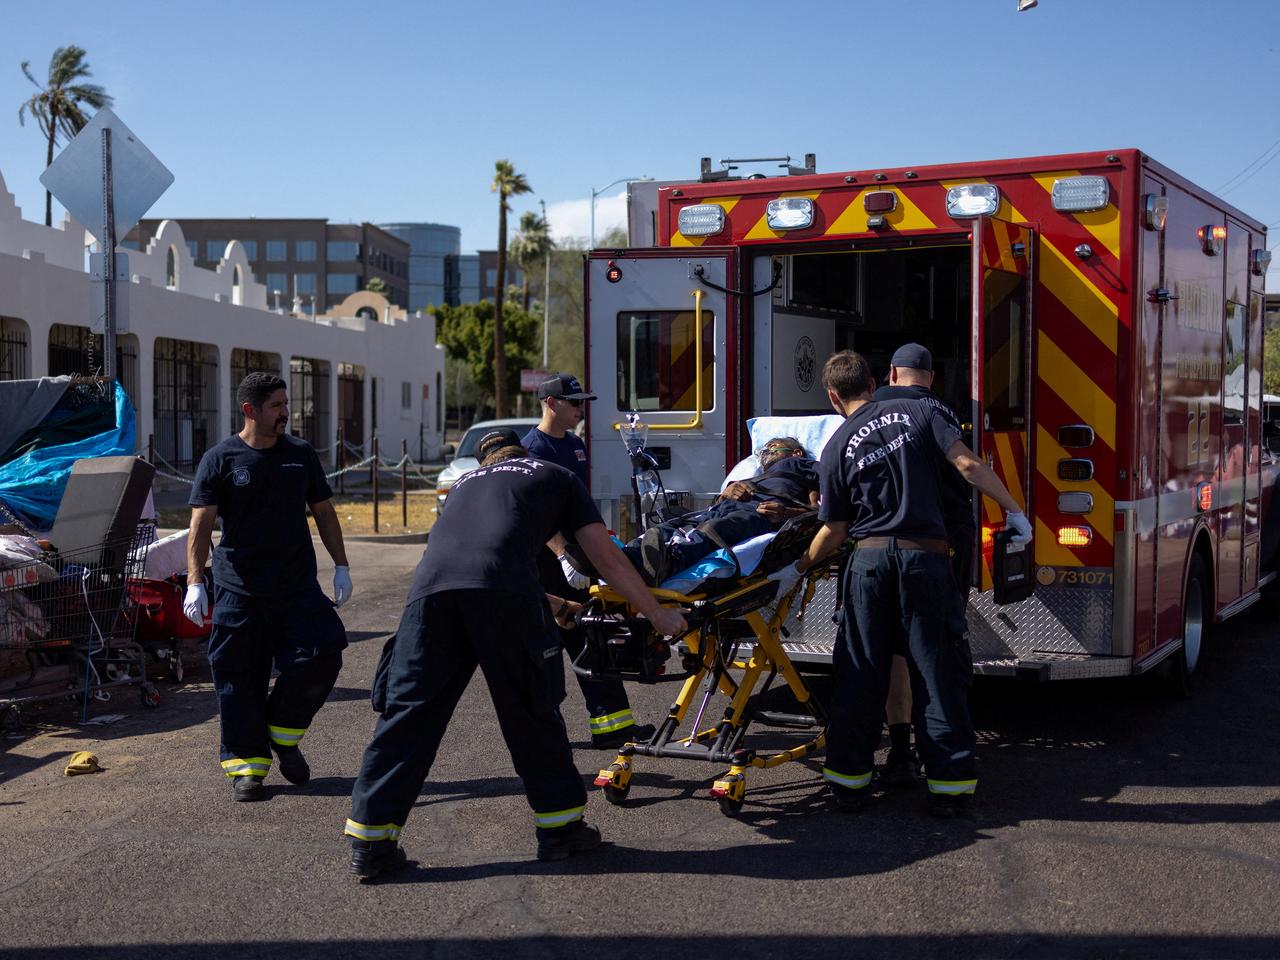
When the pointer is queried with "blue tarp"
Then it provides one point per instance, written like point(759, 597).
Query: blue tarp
point(31, 486)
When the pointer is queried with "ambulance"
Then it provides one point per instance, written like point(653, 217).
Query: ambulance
point(1095, 319)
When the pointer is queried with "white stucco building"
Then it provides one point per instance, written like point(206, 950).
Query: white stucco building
point(193, 333)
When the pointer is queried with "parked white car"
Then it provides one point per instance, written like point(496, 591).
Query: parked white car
point(465, 459)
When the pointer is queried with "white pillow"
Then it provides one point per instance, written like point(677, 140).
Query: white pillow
point(812, 432)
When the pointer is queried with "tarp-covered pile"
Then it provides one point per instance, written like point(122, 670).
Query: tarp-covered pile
point(47, 425)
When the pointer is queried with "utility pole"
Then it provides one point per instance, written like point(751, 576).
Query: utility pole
point(546, 291)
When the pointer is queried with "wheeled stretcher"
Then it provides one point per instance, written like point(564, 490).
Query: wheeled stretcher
point(733, 648)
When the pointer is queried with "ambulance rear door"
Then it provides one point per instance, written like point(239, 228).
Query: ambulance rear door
point(1002, 365)
point(643, 307)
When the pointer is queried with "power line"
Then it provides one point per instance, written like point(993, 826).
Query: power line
point(1250, 169)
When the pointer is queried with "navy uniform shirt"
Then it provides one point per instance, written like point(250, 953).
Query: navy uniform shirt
point(499, 517)
point(789, 480)
point(569, 451)
point(262, 497)
point(957, 494)
point(878, 470)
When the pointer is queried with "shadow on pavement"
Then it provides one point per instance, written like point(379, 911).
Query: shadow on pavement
point(924, 947)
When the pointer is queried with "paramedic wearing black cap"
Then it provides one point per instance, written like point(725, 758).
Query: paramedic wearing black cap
point(608, 709)
point(910, 377)
point(880, 489)
point(475, 600)
point(267, 606)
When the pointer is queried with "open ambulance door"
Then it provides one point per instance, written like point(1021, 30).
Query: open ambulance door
point(643, 356)
point(1002, 369)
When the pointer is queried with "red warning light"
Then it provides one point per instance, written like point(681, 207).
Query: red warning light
point(613, 272)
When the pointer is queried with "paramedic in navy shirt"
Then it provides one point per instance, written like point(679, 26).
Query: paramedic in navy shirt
point(880, 489)
point(609, 713)
point(267, 606)
point(910, 378)
point(476, 601)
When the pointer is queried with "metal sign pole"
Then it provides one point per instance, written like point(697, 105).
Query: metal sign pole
point(108, 244)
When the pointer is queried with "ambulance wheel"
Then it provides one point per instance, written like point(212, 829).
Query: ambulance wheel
point(616, 795)
point(149, 696)
point(1195, 630)
point(730, 807)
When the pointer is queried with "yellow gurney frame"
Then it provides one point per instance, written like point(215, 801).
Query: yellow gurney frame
point(719, 624)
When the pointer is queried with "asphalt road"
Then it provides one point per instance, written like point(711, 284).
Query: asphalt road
point(1113, 821)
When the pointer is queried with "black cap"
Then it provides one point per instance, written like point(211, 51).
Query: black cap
point(912, 356)
point(565, 386)
point(496, 439)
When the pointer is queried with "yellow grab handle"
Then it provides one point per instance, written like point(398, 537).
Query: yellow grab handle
point(696, 422)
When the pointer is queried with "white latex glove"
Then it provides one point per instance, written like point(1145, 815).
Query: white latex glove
point(341, 585)
point(1017, 521)
point(195, 604)
point(575, 578)
point(786, 577)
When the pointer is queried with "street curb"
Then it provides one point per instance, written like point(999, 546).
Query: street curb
point(386, 538)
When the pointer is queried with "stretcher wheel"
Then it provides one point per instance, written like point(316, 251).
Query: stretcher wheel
point(730, 807)
point(616, 795)
point(149, 696)
point(730, 791)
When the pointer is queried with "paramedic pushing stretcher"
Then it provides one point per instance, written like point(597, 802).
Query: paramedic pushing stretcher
point(475, 601)
point(267, 605)
point(880, 489)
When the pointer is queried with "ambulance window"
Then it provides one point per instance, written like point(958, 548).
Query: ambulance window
point(1005, 393)
point(1234, 350)
point(656, 360)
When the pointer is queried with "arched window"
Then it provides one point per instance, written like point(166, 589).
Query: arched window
point(237, 292)
point(367, 313)
point(171, 268)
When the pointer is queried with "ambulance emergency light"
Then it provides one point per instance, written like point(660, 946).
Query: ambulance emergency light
point(973, 200)
point(1080, 194)
point(1211, 237)
point(789, 213)
point(701, 220)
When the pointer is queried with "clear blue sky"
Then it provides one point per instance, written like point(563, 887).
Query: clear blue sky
point(397, 110)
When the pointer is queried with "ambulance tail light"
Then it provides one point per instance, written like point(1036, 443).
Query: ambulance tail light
point(1080, 194)
point(1075, 536)
point(789, 213)
point(701, 220)
point(1075, 469)
point(968, 200)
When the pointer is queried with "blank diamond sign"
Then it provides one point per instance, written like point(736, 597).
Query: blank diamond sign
point(137, 177)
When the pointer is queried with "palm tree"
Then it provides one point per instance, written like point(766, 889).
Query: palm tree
point(56, 107)
point(506, 183)
point(530, 247)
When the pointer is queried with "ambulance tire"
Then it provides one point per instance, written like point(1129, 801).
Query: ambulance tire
point(1197, 620)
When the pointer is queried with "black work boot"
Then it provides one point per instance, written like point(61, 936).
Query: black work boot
point(633, 733)
point(848, 801)
point(373, 859)
point(901, 768)
point(951, 806)
point(248, 789)
point(293, 765)
point(654, 557)
point(561, 842)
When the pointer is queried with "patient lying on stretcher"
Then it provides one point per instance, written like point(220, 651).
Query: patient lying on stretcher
point(785, 487)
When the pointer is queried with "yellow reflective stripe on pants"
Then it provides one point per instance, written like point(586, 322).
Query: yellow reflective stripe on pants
point(611, 722)
point(249, 767)
point(365, 831)
point(558, 818)
point(952, 786)
point(286, 736)
point(856, 782)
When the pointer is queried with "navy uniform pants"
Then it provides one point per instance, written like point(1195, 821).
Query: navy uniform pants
point(893, 594)
point(301, 635)
point(608, 708)
point(423, 672)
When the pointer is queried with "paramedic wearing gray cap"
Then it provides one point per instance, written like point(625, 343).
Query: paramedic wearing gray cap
point(608, 709)
point(910, 378)
point(880, 489)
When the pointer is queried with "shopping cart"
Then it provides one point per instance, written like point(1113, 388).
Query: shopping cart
point(72, 614)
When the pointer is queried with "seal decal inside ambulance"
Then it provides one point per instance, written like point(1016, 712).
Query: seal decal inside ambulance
point(806, 363)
